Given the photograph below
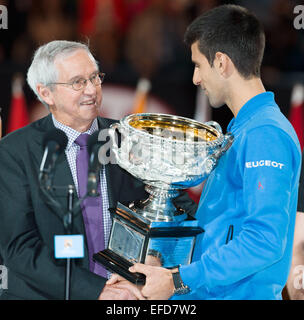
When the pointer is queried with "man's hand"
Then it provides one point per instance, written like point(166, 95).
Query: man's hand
point(159, 283)
point(122, 290)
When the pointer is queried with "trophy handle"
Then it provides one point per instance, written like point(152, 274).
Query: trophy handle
point(113, 137)
point(215, 125)
point(212, 159)
point(228, 140)
point(113, 127)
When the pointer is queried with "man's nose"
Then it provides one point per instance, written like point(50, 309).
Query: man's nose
point(89, 88)
point(196, 78)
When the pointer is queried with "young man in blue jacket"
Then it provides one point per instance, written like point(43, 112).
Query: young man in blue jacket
point(248, 204)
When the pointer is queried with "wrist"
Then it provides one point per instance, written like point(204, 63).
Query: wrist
point(172, 287)
point(178, 284)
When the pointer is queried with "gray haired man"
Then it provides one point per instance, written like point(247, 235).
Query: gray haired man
point(65, 77)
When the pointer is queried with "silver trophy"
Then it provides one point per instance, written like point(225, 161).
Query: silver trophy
point(168, 153)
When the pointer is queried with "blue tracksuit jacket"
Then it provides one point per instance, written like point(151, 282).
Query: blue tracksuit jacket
point(247, 209)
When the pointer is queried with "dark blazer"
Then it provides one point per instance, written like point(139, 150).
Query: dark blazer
point(28, 221)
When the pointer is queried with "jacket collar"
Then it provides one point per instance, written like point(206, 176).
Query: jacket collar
point(255, 105)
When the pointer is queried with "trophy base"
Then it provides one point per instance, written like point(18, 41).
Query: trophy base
point(134, 238)
point(116, 264)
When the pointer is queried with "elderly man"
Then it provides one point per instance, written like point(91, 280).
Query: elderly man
point(65, 77)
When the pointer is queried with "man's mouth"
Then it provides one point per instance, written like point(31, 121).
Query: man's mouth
point(88, 103)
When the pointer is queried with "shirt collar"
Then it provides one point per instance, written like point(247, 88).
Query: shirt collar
point(250, 108)
point(73, 134)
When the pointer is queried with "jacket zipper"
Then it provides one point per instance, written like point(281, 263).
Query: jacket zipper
point(229, 234)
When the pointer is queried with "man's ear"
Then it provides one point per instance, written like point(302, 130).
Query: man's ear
point(45, 94)
point(223, 64)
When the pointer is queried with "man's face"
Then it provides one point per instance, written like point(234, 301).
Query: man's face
point(76, 109)
point(207, 77)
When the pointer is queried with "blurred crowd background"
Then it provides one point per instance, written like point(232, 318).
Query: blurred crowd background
point(139, 45)
point(142, 39)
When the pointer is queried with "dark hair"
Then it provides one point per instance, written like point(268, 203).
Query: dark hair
point(232, 30)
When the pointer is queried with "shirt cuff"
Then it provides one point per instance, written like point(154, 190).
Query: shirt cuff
point(192, 275)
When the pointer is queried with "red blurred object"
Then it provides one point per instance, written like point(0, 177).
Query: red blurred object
point(296, 113)
point(121, 14)
point(123, 10)
point(18, 115)
point(195, 192)
point(87, 16)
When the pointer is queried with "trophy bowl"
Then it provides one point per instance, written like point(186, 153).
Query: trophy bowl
point(167, 150)
point(168, 153)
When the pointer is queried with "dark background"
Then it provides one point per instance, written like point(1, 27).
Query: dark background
point(136, 38)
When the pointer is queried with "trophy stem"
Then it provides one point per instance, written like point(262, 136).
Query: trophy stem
point(159, 205)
